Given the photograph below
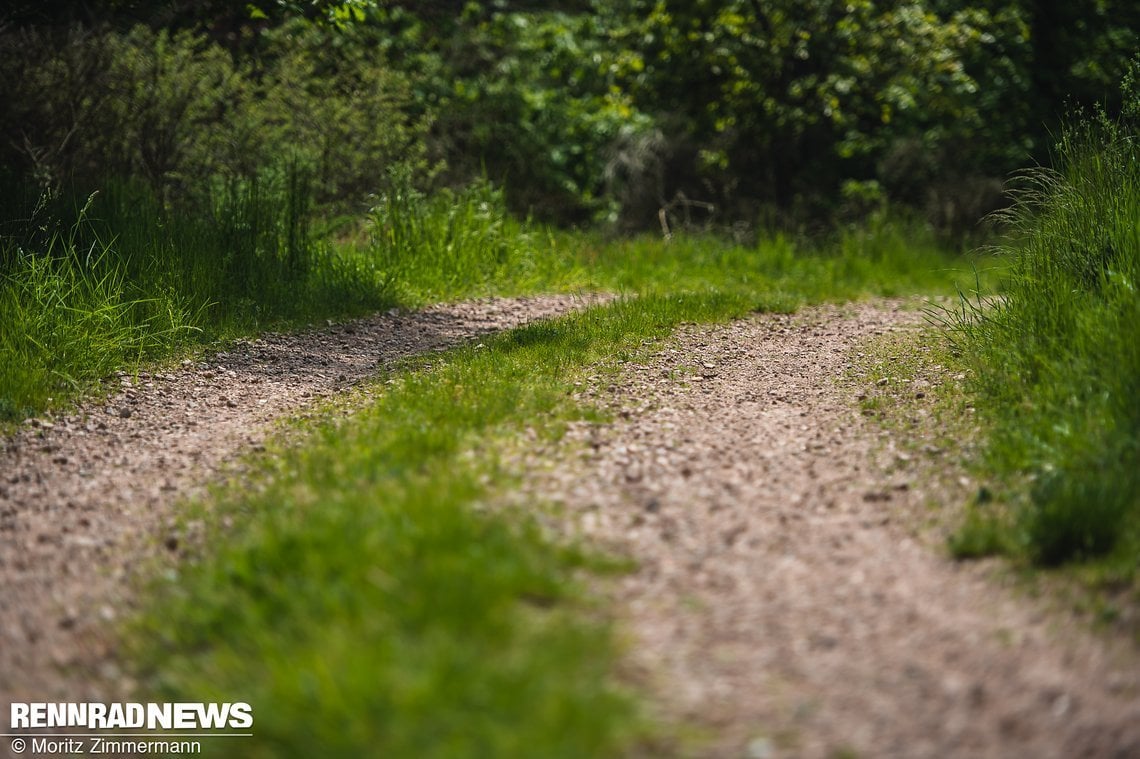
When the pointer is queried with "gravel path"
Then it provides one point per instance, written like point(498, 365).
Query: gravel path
point(86, 497)
point(786, 602)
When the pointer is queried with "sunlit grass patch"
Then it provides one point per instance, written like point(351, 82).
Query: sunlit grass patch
point(1057, 360)
point(71, 316)
point(363, 606)
point(127, 282)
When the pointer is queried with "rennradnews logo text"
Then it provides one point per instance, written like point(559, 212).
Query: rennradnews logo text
point(118, 716)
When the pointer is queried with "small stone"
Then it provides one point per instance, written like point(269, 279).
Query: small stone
point(760, 748)
point(125, 413)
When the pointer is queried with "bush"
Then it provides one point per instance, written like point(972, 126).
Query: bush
point(89, 105)
point(174, 110)
point(328, 102)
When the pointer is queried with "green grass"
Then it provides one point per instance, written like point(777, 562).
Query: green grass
point(361, 600)
point(121, 281)
point(462, 245)
point(1057, 362)
point(124, 280)
point(357, 598)
point(364, 608)
point(71, 315)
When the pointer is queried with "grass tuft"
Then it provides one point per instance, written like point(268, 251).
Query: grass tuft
point(122, 280)
point(1057, 359)
point(72, 315)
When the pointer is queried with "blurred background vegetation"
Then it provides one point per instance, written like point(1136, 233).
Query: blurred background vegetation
point(772, 111)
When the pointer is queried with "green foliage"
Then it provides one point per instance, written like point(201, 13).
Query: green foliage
point(529, 99)
point(1059, 358)
point(1081, 51)
point(172, 100)
point(175, 111)
point(616, 109)
point(582, 110)
point(326, 101)
point(91, 105)
point(788, 100)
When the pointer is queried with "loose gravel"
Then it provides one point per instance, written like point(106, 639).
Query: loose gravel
point(84, 498)
point(786, 602)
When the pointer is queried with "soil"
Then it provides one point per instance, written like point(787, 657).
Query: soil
point(84, 498)
point(791, 598)
point(788, 600)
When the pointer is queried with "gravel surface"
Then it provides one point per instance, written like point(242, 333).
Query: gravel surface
point(785, 603)
point(84, 498)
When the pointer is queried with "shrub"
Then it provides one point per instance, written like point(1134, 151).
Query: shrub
point(329, 102)
point(174, 110)
point(89, 105)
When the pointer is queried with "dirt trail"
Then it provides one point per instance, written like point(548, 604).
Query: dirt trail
point(83, 498)
point(785, 601)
